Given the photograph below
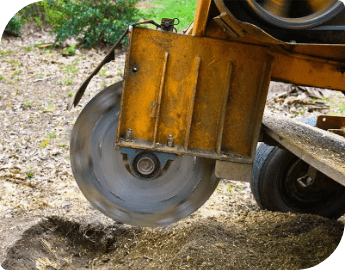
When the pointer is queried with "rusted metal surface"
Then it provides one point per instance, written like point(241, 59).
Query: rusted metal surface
point(322, 150)
point(207, 91)
point(209, 94)
point(303, 64)
point(169, 24)
point(309, 70)
point(334, 124)
point(201, 17)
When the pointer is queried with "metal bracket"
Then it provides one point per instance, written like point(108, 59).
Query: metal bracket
point(334, 124)
point(233, 170)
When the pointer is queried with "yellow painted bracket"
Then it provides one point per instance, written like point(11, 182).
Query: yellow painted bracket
point(204, 96)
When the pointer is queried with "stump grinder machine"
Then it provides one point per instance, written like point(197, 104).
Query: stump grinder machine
point(150, 150)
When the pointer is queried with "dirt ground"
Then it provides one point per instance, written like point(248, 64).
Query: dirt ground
point(46, 223)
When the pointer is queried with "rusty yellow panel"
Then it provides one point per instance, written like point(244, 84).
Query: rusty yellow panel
point(201, 16)
point(311, 70)
point(206, 93)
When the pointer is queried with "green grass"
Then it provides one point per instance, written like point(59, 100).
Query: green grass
point(52, 135)
point(103, 71)
point(3, 53)
point(27, 103)
point(71, 68)
point(16, 63)
point(38, 44)
point(16, 73)
point(40, 75)
point(183, 10)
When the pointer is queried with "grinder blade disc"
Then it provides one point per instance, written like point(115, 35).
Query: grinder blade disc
point(102, 176)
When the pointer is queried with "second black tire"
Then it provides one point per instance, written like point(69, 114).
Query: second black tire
point(275, 186)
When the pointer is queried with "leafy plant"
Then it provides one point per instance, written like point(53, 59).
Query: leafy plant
point(96, 21)
point(1, 77)
point(14, 26)
point(71, 50)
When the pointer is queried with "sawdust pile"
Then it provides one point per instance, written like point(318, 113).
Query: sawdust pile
point(250, 240)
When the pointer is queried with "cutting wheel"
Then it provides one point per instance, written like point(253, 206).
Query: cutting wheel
point(101, 173)
point(295, 14)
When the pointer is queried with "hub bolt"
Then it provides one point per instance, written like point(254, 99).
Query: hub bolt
point(170, 140)
point(129, 134)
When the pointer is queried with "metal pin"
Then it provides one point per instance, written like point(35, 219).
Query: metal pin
point(170, 140)
point(129, 134)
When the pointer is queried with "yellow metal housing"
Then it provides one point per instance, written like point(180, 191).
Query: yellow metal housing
point(204, 94)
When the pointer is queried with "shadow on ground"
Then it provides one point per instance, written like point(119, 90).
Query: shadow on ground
point(250, 240)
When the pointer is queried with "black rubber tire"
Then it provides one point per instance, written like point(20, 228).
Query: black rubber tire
point(275, 188)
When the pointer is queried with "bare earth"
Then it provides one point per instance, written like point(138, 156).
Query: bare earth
point(46, 223)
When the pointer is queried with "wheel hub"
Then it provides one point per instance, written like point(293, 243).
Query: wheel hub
point(145, 165)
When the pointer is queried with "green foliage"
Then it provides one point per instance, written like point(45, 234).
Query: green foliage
point(71, 50)
point(14, 26)
point(96, 21)
point(91, 21)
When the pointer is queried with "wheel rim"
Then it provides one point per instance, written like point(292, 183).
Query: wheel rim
point(102, 176)
point(296, 14)
point(304, 199)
